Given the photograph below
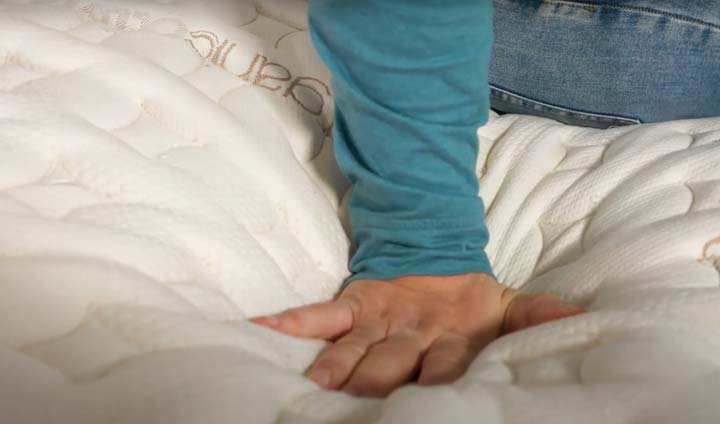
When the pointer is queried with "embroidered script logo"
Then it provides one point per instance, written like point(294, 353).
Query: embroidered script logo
point(114, 17)
point(310, 93)
point(215, 51)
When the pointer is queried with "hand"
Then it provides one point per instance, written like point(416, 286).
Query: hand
point(389, 332)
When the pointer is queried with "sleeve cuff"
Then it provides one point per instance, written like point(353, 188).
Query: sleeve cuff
point(439, 250)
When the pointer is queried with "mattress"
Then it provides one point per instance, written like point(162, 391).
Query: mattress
point(166, 172)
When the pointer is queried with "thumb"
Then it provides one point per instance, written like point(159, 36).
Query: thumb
point(527, 310)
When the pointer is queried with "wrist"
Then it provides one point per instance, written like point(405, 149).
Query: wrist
point(444, 282)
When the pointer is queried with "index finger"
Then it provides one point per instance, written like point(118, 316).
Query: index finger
point(324, 320)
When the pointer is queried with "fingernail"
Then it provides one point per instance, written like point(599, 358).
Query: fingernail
point(270, 320)
point(321, 377)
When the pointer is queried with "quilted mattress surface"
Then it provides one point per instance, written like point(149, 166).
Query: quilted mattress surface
point(166, 171)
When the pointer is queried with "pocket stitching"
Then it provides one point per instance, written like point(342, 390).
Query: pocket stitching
point(640, 10)
point(552, 108)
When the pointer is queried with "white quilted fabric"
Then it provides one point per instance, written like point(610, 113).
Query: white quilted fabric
point(165, 172)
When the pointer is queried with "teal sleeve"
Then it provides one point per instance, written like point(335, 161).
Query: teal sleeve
point(410, 82)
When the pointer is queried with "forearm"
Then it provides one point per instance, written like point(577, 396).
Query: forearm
point(410, 87)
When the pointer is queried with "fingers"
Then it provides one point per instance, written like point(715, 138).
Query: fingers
point(447, 359)
point(387, 365)
point(336, 362)
point(320, 320)
point(527, 310)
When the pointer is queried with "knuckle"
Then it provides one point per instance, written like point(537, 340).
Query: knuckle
point(455, 340)
point(434, 354)
point(354, 304)
point(507, 295)
point(408, 338)
point(351, 346)
point(405, 316)
point(445, 357)
point(371, 384)
point(293, 318)
point(372, 295)
point(332, 364)
point(343, 353)
point(435, 327)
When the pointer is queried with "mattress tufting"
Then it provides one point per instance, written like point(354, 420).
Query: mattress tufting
point(166, 171)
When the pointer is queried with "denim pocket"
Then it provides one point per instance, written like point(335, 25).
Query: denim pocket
point(505, 101)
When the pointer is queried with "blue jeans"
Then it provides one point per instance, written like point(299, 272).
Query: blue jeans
point(606, 63)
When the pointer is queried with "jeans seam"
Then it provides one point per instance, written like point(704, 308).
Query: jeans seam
point(598, 116)
point(641, 10)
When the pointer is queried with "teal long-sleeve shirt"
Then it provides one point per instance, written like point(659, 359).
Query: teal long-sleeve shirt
point(410, 87)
